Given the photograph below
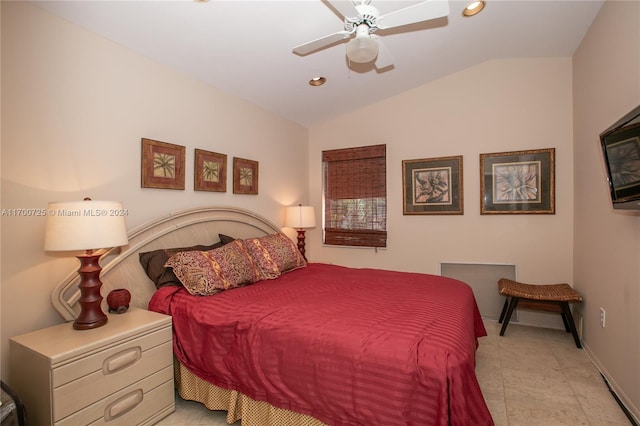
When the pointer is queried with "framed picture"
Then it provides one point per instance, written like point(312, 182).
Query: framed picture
point(210, 171)
point(245, 176)
point(162, 165)
point(432, 186)
point(519, 182)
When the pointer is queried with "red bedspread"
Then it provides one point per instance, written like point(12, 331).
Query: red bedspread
point(347, 346)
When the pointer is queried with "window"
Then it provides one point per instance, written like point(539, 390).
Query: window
point(355, 196)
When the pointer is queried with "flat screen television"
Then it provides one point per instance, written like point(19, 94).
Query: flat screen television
point(621, 150)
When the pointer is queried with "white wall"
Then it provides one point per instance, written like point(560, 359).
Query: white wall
point(499, 106)
point(607, 242)
point(74, 108)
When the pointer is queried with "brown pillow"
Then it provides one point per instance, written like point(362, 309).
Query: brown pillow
point(274, 254)
point(225, 239)
point(209, 272)
point(153, 263)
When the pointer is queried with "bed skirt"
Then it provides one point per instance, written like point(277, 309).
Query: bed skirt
point(237, 405)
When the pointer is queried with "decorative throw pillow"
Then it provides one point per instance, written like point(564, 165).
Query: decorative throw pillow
point(153, 263)
point(274, 254)
point(209, 272)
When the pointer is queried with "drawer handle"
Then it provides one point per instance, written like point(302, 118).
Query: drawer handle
point(123, 405)
point(121, 360)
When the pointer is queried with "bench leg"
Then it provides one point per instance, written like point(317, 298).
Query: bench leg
point(567, 328)
point(567, 312)
point(512, 306)
point(504, 310)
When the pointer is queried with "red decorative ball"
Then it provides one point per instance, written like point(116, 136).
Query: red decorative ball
point(118, 300)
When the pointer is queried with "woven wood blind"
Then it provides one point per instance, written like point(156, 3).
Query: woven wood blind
point(355, 191)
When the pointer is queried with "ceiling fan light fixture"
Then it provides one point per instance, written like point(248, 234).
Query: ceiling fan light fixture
point(364, 20)
point(362, 48)
point(473, 8)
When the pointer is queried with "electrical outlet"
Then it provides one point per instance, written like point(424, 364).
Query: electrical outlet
point(603, 314)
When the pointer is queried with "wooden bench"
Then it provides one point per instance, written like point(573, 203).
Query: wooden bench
point(545, 297)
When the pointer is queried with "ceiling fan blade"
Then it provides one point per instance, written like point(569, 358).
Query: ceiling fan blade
point(385, 58)
point(345, 7)
point(312, 46)
point(424, 11)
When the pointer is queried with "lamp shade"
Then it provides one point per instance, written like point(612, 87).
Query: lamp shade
point(362, 48)
point(300, 217)
point(84, 225)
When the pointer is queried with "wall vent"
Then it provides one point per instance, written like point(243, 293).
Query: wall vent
point(483, 280)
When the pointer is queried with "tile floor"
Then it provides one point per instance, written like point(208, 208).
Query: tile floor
point(531, 376)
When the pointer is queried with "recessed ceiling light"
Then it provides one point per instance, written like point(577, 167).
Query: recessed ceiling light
point(317, 81)
point(473, 8)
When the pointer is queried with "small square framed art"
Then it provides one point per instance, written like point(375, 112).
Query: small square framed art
point(162, 165)
point(245, 176)
point(210, 171)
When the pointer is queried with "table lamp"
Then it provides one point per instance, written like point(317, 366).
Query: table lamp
point(300, 217)
point(86, 225)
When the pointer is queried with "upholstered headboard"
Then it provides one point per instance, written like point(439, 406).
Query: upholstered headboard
point(121, 266)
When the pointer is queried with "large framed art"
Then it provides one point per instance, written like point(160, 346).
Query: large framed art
point(162, 165)
point(432, 186)
point(518, 182)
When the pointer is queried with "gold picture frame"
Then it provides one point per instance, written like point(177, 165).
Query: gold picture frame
point(518, 182)
point(210, 171)
point(432, 186)
point(162, 165)
point(245, 176)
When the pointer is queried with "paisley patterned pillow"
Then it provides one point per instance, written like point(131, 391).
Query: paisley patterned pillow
point(209, 272)
point(153, 263)
point(274, 254)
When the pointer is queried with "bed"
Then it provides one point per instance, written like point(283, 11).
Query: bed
point(310, 344)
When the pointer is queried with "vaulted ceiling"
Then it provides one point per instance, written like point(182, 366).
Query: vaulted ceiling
point(245, 47)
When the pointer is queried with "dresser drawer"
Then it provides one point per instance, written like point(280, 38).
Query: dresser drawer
point(113, 371)
point(62, 374)
point(111, 359)
point(144, 400)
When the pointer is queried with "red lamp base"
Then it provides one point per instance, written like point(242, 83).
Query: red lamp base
point(301, 242)
point(91, 315)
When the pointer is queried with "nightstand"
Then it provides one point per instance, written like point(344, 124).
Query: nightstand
point(120, 373)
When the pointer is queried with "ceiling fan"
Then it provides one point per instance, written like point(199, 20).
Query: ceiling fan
point(362, 19)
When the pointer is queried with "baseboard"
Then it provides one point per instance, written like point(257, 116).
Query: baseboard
point(632, 412)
